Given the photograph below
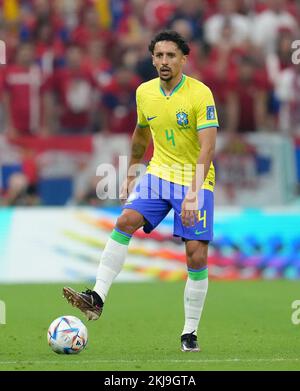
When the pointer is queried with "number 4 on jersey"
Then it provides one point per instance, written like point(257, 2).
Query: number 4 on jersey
point(170, 136)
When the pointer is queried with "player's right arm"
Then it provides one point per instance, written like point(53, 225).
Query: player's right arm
point(139, 143)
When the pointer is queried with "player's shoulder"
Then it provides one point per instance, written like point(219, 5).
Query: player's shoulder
point(147, 86)
point(197, 85)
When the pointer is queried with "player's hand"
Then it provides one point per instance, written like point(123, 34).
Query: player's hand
point(189, 209)
point(126, 188)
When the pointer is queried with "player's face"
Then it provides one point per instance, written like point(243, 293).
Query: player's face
point(168, 60)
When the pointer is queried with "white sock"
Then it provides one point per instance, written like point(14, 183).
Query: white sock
point(194, 298)
point(111, 262)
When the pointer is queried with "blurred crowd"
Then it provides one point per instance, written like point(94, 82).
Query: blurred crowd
point(73, 65)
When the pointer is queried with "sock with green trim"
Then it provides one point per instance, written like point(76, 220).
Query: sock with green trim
point(194, 298)
point(111, 262)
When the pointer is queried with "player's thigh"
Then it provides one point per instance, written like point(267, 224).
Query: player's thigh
point(196, 253)
point(148, 200)
point(153, 212)
point(130, 220)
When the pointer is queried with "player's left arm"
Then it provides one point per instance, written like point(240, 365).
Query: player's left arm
point(189, 208)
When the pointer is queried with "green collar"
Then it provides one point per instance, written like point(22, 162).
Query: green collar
point(176, 88)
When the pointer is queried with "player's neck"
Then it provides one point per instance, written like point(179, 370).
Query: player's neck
point(168, 86)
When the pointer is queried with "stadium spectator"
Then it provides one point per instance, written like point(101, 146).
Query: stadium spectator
point(157, 13)
point(280, 59)
point(246, 100)
point(132, 31)
point(36, 13)
point(185, 29)
point(71, 96)
point(144, 66)
point(97, 63)
point(89, 28)
point(22, 185)
point(267, 24)
point(23, 94)
point(101, 69)
point(220, 66)
point(288, 92)
point(276, 63)
point(227, 13)
point(131, 28)
point(2, 114)
point(49, 47)
point(190, 11)
point(118, 101)
point(68, 12)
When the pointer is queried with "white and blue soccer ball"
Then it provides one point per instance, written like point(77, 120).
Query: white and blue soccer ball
point(67, 335)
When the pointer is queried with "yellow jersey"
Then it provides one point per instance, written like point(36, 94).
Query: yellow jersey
point(174, 122)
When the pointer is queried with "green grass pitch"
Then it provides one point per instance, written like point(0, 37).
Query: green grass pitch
point(246, 325)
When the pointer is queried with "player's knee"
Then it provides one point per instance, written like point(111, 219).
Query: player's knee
point(197, 259)
point(129, 223)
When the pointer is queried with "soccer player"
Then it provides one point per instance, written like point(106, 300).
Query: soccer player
point(179, 113)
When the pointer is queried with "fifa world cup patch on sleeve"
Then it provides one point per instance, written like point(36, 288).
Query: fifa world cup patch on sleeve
point(210, 112)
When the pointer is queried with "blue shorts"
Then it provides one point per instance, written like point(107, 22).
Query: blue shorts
point(154, 197)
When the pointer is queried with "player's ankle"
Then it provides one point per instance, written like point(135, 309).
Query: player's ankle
point(97, 298)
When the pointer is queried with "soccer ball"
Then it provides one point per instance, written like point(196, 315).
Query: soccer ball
point(67, 335)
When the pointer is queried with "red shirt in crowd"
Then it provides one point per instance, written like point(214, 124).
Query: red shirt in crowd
point(74, 89)
point(246, 92)
point(118, 102)
point(81, 35)
point(24, 87)
point(100, 71)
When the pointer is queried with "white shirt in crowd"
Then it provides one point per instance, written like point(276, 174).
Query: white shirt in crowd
point(266, 26)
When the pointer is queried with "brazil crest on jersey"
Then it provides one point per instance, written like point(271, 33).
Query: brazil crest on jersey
point(174, 122)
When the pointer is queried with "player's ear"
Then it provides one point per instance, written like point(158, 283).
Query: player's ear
point(153, 60)
point(184, 58)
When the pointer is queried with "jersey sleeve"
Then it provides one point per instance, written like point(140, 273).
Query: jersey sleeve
point(141, 119)
point(206, 111)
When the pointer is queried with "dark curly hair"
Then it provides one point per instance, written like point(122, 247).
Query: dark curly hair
point(170, 35)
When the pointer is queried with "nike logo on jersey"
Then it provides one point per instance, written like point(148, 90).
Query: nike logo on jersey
point(150, 118)
point(200, 232)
